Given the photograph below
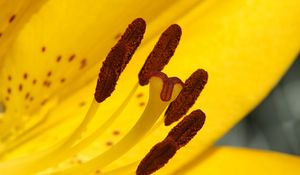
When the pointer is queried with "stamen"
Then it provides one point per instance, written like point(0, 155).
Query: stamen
point(112, 68)
point(178, 137)
point(187, 97)
point(184, 131)
point(158, 156)
point(147, 120)
point(133, 36)
point(109, 73)
point(162, 91)
point(118, 58)
point(161, 54)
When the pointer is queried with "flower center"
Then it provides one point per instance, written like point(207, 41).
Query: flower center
point(164, 93)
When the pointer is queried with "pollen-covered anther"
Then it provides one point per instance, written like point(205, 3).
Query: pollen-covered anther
point(158, 156)
point(118, 58)
point(133, 35)
point(169, 85)
point(178, 137)
point(161, 53)
point(185, 130)
point(187, 97)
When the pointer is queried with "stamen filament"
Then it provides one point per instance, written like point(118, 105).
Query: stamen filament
point(100, 130)
point(82, 127)
point(61, 152)
point(150, 115)
point(47, 157)
point(127, 169)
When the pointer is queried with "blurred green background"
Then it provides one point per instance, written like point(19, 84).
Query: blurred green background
point(275, 123)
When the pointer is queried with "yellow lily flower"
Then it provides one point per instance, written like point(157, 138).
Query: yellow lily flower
point(48, 77)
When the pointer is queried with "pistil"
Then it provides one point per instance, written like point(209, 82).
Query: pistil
point(153, 110)
point(164, 93)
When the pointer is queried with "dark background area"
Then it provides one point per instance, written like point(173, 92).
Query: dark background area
point(275, 123)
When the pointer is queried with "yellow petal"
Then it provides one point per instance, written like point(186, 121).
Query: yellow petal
point(62, 47)
point(244, 49)
point(14, 14)
point(238, 161)
point(65, 39)
point(245, 46)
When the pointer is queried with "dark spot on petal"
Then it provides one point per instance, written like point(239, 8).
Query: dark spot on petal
point(118, 36)
point(62, 80)
point(81, 104)
point(44, 102)
point(83, 63)
point(79, 161)
point(34, 81)
point(27, 95)
point(116, 132)
point(0, 35)
point(9, 78)
point(20, 87)
point(141, 104)
point(58, 58)
point(6, 98)
point(25, 76)
point(72, 57)
point(49, 74)
point(12, 18)
point(31, 99)
point(9, 90)
point(43, 49)
point(47, 83)
point(139, 95)
point(109, 143)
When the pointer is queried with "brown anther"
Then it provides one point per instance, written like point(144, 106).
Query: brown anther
point(168, 84)
point(158, 156)
point(118, 58)
point(187, 97)
point(109, 73)
point(185, 130)
point(161, 53)
point(133, 36)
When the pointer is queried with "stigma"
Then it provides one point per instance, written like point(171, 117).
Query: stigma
point(170, 99)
